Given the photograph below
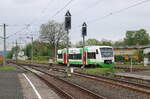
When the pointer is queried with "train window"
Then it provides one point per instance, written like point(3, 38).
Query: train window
point(75, 56)
point(70, 56)
point(78, 56)
point(106, 52)
point(60, 56)
point(91, 55)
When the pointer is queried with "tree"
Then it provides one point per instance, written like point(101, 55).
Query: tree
point(140, 37)
point(90, 42)
point(13, 51)
point(53, 33)
point(119, 43)
point(79, 44)
point(106, 42)
point(39, 49)
point(139, 54)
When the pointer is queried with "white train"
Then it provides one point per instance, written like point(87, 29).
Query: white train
point(92, 55)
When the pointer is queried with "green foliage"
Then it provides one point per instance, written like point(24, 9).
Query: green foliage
point(27, 50)
point(140, 37)
point(53, 33)
point(106, 42)
point(41, 58)
point(7, 68)
point(119, 43)
point(40, 49)
point(13, 51)
point(101, 70)
point(140, 54)
point(91, 42)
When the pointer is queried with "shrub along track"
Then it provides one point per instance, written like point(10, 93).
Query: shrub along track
point(127, 87)
point(65, 88)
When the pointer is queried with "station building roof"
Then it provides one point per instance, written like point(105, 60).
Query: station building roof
point(131, 47)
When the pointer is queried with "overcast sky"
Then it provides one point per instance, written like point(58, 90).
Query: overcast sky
point(18, 13)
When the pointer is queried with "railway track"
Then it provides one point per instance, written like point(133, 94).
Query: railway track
point(142, 88)
point(135, 69)
point(67, 89)
point(145, 89)
point(126, 69)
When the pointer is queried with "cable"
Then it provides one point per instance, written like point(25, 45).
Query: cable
point(118, 11)
point(67, 4)
point(24, 28)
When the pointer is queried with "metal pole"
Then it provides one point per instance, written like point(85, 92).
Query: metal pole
point(83, 50)
point(131, 65)
point(32, 49)
point(4, 55)
point(16, 52)
point(68, 48)
point(55, 49)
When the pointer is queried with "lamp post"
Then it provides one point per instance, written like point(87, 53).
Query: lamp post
point(67, 28)
point(84, 33)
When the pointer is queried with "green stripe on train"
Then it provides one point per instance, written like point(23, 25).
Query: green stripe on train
point(102, 64)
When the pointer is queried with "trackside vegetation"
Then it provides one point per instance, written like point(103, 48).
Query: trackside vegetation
point(7, 68)
point(101, 70)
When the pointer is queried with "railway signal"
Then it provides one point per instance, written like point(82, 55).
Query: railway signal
point(67, 21)
point(67, 27)
point(84, 29)
point(84, 33)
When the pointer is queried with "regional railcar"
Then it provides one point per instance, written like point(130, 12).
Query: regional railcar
point(92, 55)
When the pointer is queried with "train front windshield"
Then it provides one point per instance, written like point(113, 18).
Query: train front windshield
point(106, 52)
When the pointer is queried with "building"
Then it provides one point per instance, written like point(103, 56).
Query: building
point(125, 53)
point(146, 52)
point(128, 50)
point(20, 56)
point(1, 56)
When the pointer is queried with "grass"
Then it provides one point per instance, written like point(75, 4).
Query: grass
point(34, 61)
point(102, 70)
point(7, 68)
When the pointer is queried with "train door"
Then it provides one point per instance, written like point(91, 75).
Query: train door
point(85, 57)
point(65, 58)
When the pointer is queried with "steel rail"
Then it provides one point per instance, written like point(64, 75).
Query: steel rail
point(90, 93)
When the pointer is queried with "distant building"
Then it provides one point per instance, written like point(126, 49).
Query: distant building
point(146, 52)
point(128, 50)
point(1, 56)
point(20, 56)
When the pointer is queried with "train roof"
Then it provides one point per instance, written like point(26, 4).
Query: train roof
point(97, 46)
point(92, 48)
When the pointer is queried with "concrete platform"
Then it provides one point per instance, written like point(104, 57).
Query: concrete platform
point(10, 87)
point(37, 90)
point(138, 75)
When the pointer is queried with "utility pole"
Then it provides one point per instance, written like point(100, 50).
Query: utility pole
point(68, 48)
point(131, 67)
point(55, 48)
point(67, 27)
point(84, 33)
point(32, 49)
point(16, 54)
point(55, 43)
point(4, 53)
